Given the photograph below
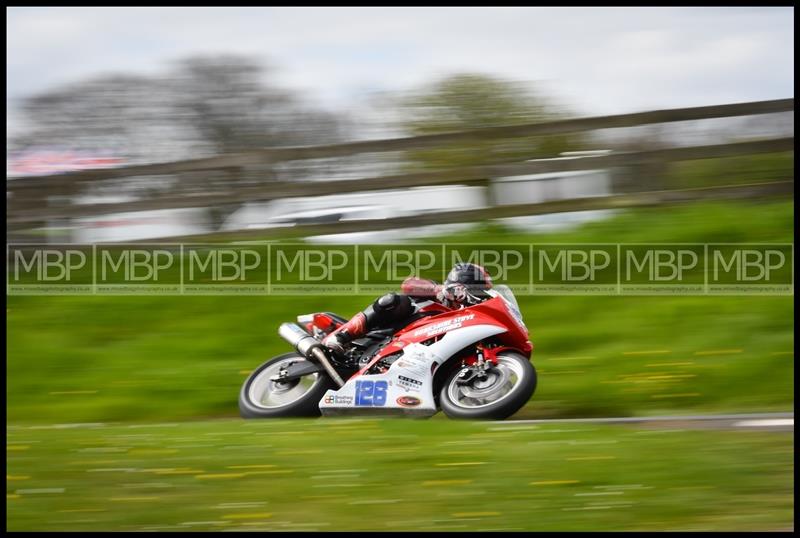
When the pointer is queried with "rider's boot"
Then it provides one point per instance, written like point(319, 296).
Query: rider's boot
point(355, 328)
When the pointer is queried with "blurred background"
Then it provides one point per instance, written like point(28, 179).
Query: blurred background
point(391, 125)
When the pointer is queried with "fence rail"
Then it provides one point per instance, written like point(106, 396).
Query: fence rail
point(274, 155)
point(620, 201)
point(285, 189)
point(27, 199)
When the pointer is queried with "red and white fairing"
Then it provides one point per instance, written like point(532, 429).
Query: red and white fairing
point(407, 386)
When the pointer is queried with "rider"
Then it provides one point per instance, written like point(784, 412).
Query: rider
point(463, 286)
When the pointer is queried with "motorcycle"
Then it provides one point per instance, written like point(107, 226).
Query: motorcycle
point(470, 363)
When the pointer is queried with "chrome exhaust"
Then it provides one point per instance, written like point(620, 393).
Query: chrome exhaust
point(298, 338)
point(309, 347)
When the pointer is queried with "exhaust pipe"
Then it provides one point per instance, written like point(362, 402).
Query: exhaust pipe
point(309, 347)
point(298, 338)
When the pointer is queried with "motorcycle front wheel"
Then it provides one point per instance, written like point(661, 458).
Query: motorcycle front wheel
point(263, 397)
point(507, 387)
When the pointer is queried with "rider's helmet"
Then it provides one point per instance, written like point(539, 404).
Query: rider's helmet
point(465, 284)
point(474, 277)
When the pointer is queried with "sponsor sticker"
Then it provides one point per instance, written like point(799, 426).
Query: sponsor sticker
point(408, 401)
point(444, 326)
point(416, 362)
point(414, 367)
point(338, 399)
point(409, 383)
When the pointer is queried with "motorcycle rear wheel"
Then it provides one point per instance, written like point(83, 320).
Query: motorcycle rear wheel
point(507, 388)
point(261, 397)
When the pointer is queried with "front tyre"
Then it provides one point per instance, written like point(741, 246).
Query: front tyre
point(508, 386)
point(262, 397)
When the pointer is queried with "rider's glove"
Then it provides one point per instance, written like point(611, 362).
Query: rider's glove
point(420, 287)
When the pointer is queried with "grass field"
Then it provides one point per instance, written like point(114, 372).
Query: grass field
point(145, 358)
point(395, 475)
point(156, 378)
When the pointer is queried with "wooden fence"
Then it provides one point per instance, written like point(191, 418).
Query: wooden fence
point(29, 200)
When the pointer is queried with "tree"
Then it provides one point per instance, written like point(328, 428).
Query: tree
point(201, 106)
point(226, 102)
point(228, 106)
point(111, 113)
point(472, 101)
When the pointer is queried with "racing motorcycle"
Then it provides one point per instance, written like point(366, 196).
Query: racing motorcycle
point(471, 362)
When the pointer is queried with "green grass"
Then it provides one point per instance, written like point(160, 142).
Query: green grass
point(730, 170)
point(101, 358)
point(133, 363)
point(395, 475)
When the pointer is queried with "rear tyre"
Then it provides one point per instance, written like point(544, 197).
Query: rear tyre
point(508, 386)
point(261, 397)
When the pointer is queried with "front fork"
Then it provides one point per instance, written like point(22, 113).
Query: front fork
point(476, 368)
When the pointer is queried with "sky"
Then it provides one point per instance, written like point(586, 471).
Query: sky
point(593, 60)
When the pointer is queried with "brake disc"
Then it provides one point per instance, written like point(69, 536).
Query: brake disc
point(283, 386)
point(496, 379)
